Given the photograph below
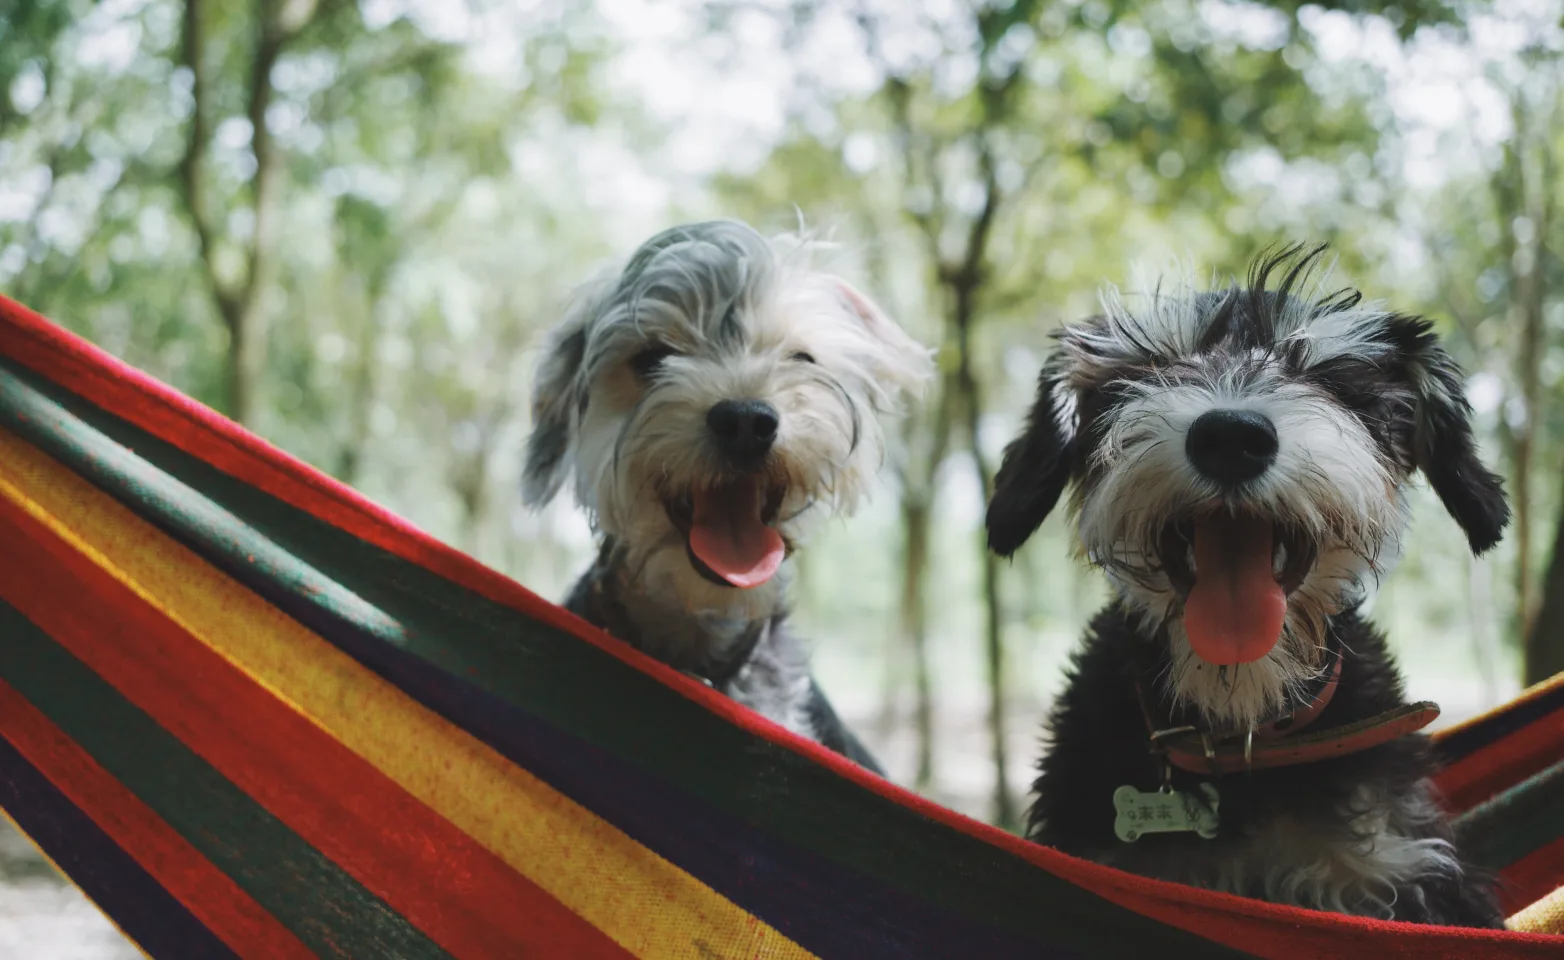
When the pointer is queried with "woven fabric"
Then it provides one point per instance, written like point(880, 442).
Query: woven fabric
point(1544, 916)
point(1520, 832)
point(251, 714)
point(1494, 751)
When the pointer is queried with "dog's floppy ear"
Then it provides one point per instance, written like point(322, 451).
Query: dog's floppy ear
point(909, 365)
point(555, 407)
point(1035, 468)
point(1443, 445)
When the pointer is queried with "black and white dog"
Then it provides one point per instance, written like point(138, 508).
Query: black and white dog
point(715, 398)
point(1239, 461)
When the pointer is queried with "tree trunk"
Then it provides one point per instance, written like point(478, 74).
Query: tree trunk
point(369, 295)
point(245, 366)
point(1525, 193)
point(963, 278)
point(1545, 639)
point(919, 490)
point(1529, 291)
point(914, 628)
point(1004, 803)
point(361, 401)
point(993, 622)
point(468, 480)
point(1543, 635)
point(1480, 623)
point(246, 327)
point(993, 615)
point(239, 303)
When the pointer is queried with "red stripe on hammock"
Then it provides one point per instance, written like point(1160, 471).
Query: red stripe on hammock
point(113, 385)
point(444, 882)
point(1484, 773)
point(1273, 931)
point(1265, 930)
point(208, 893)
point(1533, 877)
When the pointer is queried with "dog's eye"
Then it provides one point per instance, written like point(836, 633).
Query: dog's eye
point(1353, 382)
point(803, 357)
point(647, 361)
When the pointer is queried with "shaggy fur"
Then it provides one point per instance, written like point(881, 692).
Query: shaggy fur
point(700, 315)
point(1360, 399)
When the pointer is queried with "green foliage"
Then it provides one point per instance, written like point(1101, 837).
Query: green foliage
point(32, 27)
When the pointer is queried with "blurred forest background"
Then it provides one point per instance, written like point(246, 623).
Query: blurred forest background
point(345, 223)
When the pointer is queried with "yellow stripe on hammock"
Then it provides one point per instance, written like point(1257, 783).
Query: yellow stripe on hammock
point(1544, 916)
point(646, 904)
point(1538, 689)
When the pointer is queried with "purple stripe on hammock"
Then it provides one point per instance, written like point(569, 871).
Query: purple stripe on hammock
point(105, 872)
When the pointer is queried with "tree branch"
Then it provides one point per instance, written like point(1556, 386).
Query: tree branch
point(898, 90)
point(268, 48)
point(280, 22)
point(193, 161)
point(275, 23)
point(962, 278)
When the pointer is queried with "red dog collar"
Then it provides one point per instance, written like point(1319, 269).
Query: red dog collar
point(1295, 722)
point(1281, 742)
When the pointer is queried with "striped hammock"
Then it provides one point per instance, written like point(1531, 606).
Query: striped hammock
point(251, 714)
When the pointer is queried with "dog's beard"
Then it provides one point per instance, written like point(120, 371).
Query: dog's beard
point(1241, 695)
point(647, 476)
point(1334, 514)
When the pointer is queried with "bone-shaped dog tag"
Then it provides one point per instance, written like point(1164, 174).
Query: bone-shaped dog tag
point(1165, 811)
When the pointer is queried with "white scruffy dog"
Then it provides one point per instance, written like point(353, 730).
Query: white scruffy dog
point(714, 397)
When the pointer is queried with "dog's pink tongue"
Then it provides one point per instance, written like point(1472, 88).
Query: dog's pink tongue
point(1234, 613)
point(728, 537)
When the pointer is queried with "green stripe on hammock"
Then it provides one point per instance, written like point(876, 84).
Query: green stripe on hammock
point(327, 909)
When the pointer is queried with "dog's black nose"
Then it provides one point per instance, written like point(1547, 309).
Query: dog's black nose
point(1231, 446)
point(744, 429)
